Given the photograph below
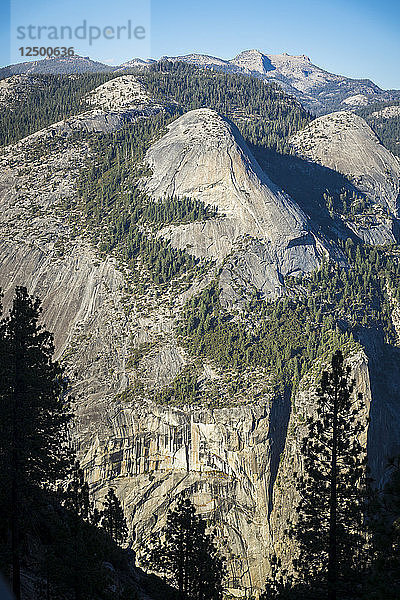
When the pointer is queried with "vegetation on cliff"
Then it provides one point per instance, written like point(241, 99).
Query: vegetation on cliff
point(325, 311)
point(126, 218)
point(264, 115)
point(51, 99)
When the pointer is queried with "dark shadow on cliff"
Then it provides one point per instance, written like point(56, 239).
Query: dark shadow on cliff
point(154, 587)
point(65, 556)
point(384, 374)
point(306, 182)
point(279, 421)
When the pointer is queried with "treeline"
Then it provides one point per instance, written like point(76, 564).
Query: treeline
point(264, 114)
point(387, 129)
point(125, 216)
point(326, 312)
point(162, 261)
point(183, 390)
point(51, 99)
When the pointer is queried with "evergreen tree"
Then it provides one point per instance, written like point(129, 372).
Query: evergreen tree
point(330, 531)
point(76, 497)
point(84, 548)
point(33, 418)
point(113, 519)
point(186, 555)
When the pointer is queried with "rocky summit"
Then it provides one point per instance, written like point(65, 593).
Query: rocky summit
point(316, 88)
point(203, 156)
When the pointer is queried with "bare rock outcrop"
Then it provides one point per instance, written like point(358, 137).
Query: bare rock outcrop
point(344, 142)
point(203, 156)
point(124, 91)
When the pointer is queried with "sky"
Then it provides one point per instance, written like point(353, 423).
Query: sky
point(355, 38)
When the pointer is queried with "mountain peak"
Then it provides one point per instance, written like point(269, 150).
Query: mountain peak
point(252, 52)
point(253, 61)
point(204, 156)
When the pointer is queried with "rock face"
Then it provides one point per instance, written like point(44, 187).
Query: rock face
point(226, 459)
point(40, 249)
point(97, 121)
point(345, 143)
point(203, 156)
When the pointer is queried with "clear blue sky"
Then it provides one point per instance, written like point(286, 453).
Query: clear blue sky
point(357, 38)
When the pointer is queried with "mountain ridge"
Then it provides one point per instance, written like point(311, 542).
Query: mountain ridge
point(317, 89)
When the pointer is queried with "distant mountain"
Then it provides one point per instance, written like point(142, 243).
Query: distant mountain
point(318, 90)
point(136, 63)
point(56, 66)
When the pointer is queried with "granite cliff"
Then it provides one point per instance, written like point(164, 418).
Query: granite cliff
point(204, 156)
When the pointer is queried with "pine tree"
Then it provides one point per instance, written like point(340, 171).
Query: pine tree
point(76, 497)
point(113, 519)
point(186, 554)
point(334, 489)
point(33, 419)
point(82, 549)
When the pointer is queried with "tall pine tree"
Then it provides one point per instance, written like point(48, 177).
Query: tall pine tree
point(334, 489)
point(113, 519)
point(186, 555)
point(34, 416)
